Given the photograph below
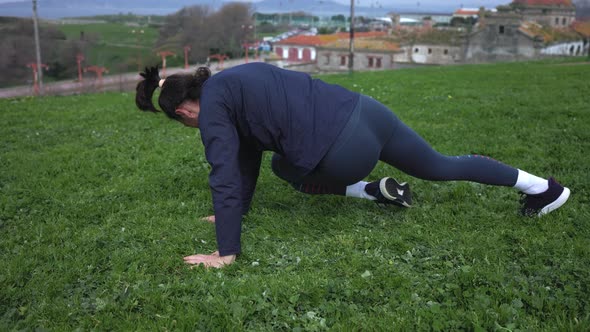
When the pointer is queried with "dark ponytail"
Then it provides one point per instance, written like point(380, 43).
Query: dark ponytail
point(176, 89)
point(145, 89)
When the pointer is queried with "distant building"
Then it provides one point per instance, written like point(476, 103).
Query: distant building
point(433, 47)
point(369, 54)
point(466, 13)
point(304, 48)
point(506, 37)
point(524, 30)
point(417, 19)
point(499, 38)
point(555, 13)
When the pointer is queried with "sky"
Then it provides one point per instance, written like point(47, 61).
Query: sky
point(425, 3)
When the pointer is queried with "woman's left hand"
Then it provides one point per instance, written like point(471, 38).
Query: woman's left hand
point(209, 219)
point(213, 260)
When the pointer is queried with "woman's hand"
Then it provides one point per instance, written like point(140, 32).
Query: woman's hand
point(209, 219)
point(213, 260)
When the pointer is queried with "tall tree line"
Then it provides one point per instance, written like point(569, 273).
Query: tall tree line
point(208, 32)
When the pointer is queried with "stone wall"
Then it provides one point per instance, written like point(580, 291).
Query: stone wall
point(500, 39)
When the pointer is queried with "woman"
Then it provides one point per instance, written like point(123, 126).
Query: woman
point(325, 140)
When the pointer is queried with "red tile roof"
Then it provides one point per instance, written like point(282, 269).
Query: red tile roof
point(467, 12)
point(370, 44)
point(319, 40)
point(566, 3)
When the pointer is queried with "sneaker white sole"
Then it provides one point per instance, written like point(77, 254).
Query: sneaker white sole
point(556, 203)
point(386, 194)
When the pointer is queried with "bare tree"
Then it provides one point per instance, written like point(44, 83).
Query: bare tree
point(206, 32)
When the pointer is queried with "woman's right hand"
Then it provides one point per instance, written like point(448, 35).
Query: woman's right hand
point(209, 219)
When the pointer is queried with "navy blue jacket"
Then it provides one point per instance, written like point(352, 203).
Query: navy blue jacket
point(257, 107)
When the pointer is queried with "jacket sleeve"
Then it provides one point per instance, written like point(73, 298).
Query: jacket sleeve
point(222, 149)
point(250, 159)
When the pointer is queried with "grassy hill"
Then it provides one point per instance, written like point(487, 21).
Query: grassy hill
point(99, 203)
point(118, 46)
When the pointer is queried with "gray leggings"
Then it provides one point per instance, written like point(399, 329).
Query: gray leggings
point(375, 133)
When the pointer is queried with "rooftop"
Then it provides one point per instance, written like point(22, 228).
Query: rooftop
point(466, 11)
point(320, 40)
point(372, 44)
point(548, 35)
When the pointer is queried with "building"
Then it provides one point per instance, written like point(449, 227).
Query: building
point(303, 48)
point(499, 38)
point(525, 30)
point(466, 13)
point(555, 13)
point(506, 37)
point(369, 54)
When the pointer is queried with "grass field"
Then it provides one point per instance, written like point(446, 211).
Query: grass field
point(99, 203)
point(118, 46)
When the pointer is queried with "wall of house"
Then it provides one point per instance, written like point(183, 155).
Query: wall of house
point(296, 53)
point(500, 40)
point(430, 54)
point(555, 17)
point(338, 60)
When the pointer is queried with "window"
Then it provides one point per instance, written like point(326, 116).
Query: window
point(343, 60)
point(378, 62)
point(501, 30)
point(564, 21)
point(416, 50)
point(429, 51)
point(446, 52)
point(327, 59)
point(557, 21)
point(371, 61)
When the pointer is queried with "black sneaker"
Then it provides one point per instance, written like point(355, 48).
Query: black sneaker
point(543, 203)
point(389, 191)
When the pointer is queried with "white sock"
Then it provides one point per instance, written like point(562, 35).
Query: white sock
point(358, 190)
point(530, 184)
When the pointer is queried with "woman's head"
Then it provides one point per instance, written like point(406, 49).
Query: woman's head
point(176, 90)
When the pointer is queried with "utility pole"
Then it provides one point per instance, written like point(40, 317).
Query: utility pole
point(187, 49)
point(37, 47)
point(79, 59)
point(351, 57)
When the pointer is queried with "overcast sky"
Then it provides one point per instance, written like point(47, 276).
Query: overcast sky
point(425, 3)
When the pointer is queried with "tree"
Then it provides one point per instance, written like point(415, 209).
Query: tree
point(204, 30)
point(17, 49)
point(338, 18)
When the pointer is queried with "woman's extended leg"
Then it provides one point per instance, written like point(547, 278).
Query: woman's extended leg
point(410, 153)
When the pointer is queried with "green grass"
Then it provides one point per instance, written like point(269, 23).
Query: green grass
point(99, 203)
point(118, 46)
